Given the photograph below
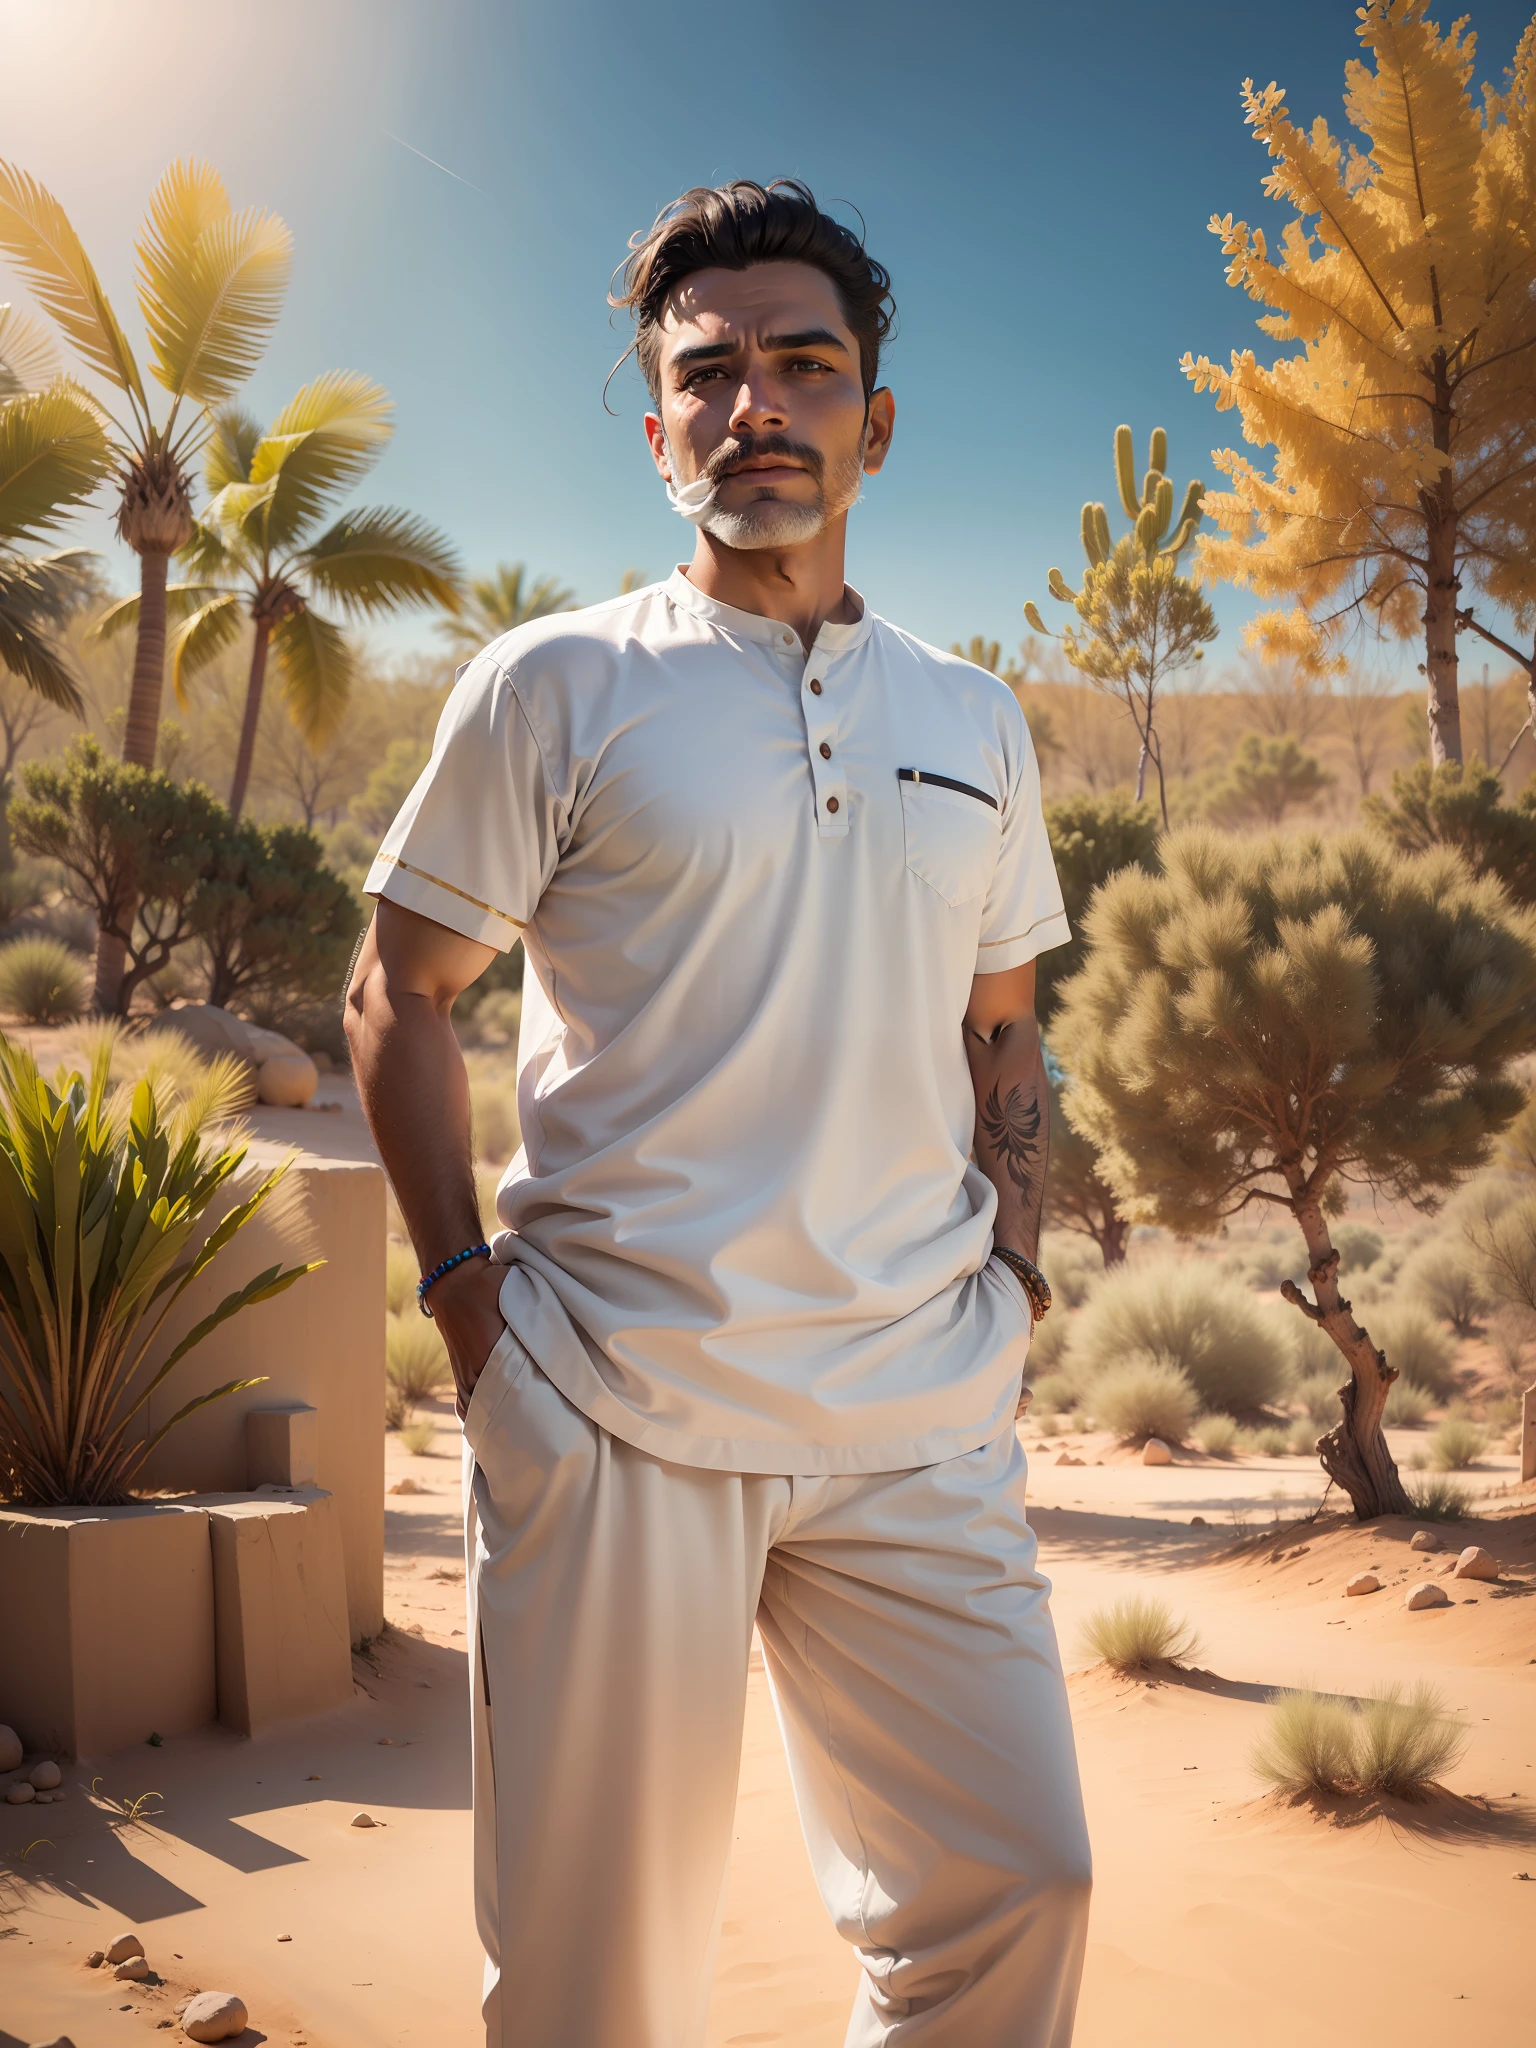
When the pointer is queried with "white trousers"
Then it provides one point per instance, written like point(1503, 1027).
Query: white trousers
point(914, 1670)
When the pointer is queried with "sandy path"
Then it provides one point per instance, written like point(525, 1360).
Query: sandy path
point(1217, 1917)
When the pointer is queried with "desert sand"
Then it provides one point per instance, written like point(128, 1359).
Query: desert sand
point(1222, 1914)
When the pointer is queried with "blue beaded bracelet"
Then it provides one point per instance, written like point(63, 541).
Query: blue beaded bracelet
point(470, 1251)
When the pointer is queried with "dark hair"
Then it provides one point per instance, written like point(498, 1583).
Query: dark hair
point(729, 227)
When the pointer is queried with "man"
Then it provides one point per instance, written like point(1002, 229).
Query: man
point(751, 1346)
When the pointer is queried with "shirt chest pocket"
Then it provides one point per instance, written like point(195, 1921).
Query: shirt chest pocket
point(952, 832)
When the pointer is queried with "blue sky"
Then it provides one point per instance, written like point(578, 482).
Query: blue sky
point(1038, 179)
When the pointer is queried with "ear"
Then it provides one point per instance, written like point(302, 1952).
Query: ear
point(656, 435)
point(882, 424)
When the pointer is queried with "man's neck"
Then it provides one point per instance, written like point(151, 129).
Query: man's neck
point(803, 586)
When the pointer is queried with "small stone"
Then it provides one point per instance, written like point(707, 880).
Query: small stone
point(214, 2015)
point(287, 1081)
point(1198, 1522)
point(134, 1971)
point(1364, 1582)
point(95, 1959)
point(285, 1937)
point(1426, 1594)
point(21, 1793)
point(1473, 1563)
point(44, 1799)
point(1066, 1458)
point(364, 1820)
point(1424, 1539)
point(1156, 1452)
point(45, 1775)
point(406, 1486)
point(127, 1944)
point(10, 1749)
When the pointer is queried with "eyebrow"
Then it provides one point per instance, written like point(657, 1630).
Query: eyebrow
point(808, 337)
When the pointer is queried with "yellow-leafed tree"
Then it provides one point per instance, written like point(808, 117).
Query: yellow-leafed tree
point(1404, 424)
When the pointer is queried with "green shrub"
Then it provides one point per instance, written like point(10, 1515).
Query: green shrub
point(1357, 1245)
point(1318, 1393)
point(1417, 1346)
point(1216, 1435)
point(1072, 1264)
point(1456, 1444)
point(1444, 1277)
point(1398, 1742)
point(1407, 1404)
point(1269, 1440)
point(1185, 1314)
point(1138, 1630)
point(418, 1437)
point(1301, 1438)
point(1145, 1396)
point(41, 981)
point(1308, 1744)
point(400, 1277)
point(1439, 1500)
point(415, 1357)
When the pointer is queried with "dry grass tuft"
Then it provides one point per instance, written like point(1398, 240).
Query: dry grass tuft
point(415, 1358)
point(1456, 1444)
point(42, 981)
point(1398, 1742)
point(1216, 1435)
point(418, 1437)
point(400, 1277)
point(1144, 1397)
point(1408, 1404)
point(1137, 1631)
point(1439, 1500)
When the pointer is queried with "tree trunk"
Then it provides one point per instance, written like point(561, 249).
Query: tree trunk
point(253, 689)
point(111, 965)
point(1440, 600)
point(1354, 1452)
point(143, 730)
point(1111, 1237)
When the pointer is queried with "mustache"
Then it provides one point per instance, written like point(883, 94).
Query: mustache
point(747, 447)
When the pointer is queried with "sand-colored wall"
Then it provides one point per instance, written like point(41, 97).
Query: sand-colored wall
point(320, 1343)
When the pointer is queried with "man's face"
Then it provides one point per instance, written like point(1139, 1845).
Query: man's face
point(760, 389)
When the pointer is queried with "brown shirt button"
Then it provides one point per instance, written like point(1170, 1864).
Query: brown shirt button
point(826, 751)
point(815, 687)
point(831, 803)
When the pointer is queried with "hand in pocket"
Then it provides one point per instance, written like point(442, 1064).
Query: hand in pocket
point(467, 1305)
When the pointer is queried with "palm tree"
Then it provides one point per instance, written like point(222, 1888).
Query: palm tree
point(255, 554)
point(498, 602)
point(211, 282)
point(53, 455)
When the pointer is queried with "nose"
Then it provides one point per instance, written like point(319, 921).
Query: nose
point(759, 408)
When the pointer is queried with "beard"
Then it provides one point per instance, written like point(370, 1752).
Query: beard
point(769, 522)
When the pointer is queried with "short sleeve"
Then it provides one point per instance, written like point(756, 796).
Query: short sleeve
point(475, 843)
point(1023, 916)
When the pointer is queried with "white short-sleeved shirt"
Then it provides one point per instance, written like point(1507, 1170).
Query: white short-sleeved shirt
point(744, 1230)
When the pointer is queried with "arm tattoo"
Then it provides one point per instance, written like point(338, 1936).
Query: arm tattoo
point(1013, 1129)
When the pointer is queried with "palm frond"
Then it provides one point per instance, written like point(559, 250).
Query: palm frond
point(36, 598)
point(316, 667)
point(325, 438)
point(27, 359)
point(181, 599)
point(239, 515)
point(496, 604)
point(378, 559)
point(53, 454)
point(231, 445)
point(208, 555)
point(35, 233)
point(211, 283)
point(202, 636)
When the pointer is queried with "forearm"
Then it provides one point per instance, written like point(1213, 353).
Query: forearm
point(1013, 1126)
point(415, 1095)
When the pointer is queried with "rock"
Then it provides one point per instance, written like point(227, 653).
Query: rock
point(1066, 1458)
point(1364, 1582)
point(287, 1080)
point(323, 1060)
point(406, 1486)
point(214, 2016)
point(1426, 1594)
point(1155, 1452)
point(364, 1820)
point(266, 1045)
point(1425, 1539)
point(1198, 1522)
point(1473, 1563)
point(95, 1959)
point(134, 1971)
point(209, 1029)
point(10, 1749)
point(21, 1793)
point(127, 1944)
point(45, 1775)
point(44, 1799)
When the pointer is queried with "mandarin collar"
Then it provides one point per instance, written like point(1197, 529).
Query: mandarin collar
point(832, 639)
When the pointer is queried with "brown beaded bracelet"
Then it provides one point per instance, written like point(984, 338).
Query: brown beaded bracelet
point(1030, 1278)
